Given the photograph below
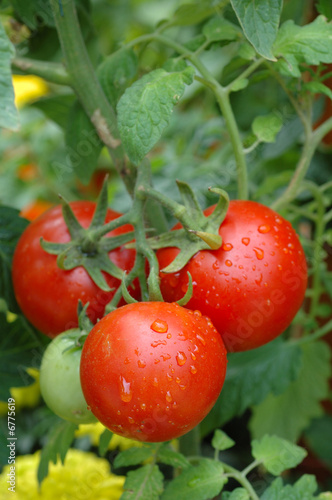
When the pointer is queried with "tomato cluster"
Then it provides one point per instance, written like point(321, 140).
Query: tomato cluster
point(153, 370)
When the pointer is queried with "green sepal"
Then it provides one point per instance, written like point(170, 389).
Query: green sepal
point(198, 233)
point(125, 293)
point(88, 248)
point(189, 293)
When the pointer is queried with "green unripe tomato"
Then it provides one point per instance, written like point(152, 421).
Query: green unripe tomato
point(60, 379)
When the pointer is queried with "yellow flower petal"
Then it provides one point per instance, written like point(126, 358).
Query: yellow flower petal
point(28, 88)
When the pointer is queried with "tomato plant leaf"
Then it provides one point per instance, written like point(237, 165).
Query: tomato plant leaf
point(310, 44)
point(324, 7)
point(218, 28)
point(267, 127)
point(250, 377)
point(277, 454)
point(82, 142)
point(59, 441)
point(193, 13)
point(171, 457)
point(56, 108)
point(221, 441)
point(303, 489)
point(32, 12)
point(237, 494)
point(289, 413)
point(260, 22)
point(104, 441)
point(132, 456)
point(8, 113)
point(116, 72)
point(145, 482)
point(319, 438)
point(146, 107)
point(12, 226)
point(200, 482)
point(318, 88)
point(20, 348)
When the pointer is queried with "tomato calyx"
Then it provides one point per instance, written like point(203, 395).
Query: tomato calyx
point(89, 247)
point(198, 232)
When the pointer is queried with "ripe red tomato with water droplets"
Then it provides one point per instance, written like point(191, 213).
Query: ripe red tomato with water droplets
point(252, 286)
point(152, 371)
point(48, 295)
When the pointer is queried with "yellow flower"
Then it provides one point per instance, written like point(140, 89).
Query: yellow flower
point(25, 397)
point(28, 88)
point(83, 476)
point(95, 430)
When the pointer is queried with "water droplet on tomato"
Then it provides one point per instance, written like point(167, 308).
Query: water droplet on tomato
point(159, 326)
point(290, 245)
point(227, 247)
point(228, 263)
point(259, 280)
point(201, 339)
point(215, 265)
point(193, 357)
point(169, 377)
point(165, 357)
point(156, 343)
point(259, 253)
point(125, 390)
point(278, 220)
point(169, 336)
point(193, 369)
point(197, 313)
point(143, 406)
point(131, 420)
point(168, 397)
point(177, 380)
point(245, 241)
point(264, 228)
point(126, 361)
point(141, 363)
point(118, 412)
point(181, 358)
point(279, 267)
point(155, 382)
point(174, 280)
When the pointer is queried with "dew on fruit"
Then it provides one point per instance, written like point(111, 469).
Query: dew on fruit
point(259, 253)
point(126, 361)
point(125, 390)
point(227, 247)
point(168, 397)
point(169, 377)
point(228, 263)
point(264, 228)
point(159, 326)
point(181, 358)
point(201, 339)
point(215, 265)
point(131, 420)
point(193, 357)
point(193, 369)
point(165, 357)
point(169, 336)
point(278, 220)
point(245, 241)
point(143, 406)
point(155, 382)
point(156, 343)
point(259, 280)
point(141, 363)
point(279, 267)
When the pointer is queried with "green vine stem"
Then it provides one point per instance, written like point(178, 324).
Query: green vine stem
point(50, 71)
point(222, 97)
point(86, 85)
point(240, 477)
point(190, 443)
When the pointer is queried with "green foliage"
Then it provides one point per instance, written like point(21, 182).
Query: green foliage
point(20, 348)
point(145, 482)
point(267, 127)
point(311, 44)
point(59, 441)
point(200, 482)
point(276, 454)
point(250, 377)
point(12, 226)
point(303, 489)
point(145, 109)
point(279, 414)
point(8, 113)
point(260, 22)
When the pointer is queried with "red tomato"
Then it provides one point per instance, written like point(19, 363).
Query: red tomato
point(252, 286)
point(35, 209)
point(48, 295)
point(152, 371)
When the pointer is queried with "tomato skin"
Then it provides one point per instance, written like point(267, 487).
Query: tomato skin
point(252, 286)
point(60, 379)
point(151, 371)
point(48, 295)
